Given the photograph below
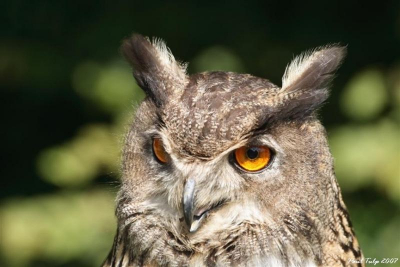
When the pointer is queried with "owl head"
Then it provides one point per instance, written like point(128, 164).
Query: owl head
point(214, 156)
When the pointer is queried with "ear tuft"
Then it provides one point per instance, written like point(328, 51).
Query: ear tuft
point(313, 69)
point(306, 79)
point(154, 67)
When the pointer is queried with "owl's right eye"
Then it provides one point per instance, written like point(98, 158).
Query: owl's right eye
point(159, 151)
point(253, 158)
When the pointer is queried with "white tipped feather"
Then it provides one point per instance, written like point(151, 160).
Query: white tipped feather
point(312, 66)
point(297, 66)
point(167, 58)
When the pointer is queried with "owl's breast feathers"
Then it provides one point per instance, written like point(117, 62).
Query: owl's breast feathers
point(144, 239)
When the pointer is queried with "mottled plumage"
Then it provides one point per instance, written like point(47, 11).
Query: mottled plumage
point(290, 213)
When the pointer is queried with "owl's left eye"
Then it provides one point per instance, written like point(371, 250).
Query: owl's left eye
point(254, 158)
point(159, 151)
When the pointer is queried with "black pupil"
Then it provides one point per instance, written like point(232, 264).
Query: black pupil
point(252, 153)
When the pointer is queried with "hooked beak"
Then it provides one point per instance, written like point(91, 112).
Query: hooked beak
point(188, 201)
point(192, 220)
point(194, 216)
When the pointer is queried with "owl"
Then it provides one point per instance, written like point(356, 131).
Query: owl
point(229, 169)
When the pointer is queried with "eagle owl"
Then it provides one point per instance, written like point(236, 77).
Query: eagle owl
point(228, 169)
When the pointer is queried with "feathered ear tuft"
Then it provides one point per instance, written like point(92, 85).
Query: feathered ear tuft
point(306, 79)
point(154, 67)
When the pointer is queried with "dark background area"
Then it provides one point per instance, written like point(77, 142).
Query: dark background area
point(67, 96)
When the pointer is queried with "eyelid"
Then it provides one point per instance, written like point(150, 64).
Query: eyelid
point(267, 140)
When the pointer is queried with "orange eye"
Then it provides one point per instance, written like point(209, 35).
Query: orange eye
point(159, 151)
point(253, 158)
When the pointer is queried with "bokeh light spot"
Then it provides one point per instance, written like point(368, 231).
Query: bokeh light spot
point(111, 87)
point(94, 151)
point(365, 96)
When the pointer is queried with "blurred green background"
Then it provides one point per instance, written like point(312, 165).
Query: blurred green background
point(67, 96)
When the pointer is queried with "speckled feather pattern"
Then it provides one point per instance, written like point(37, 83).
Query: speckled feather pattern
point(216, 110)
point(290, 214)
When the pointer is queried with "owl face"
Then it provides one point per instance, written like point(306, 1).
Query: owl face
point(212, 155)
point(221, 187)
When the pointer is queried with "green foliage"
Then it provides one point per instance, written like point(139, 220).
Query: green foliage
point(58, 228)
point(368, 155)
point(94, 150)
point(111, 87)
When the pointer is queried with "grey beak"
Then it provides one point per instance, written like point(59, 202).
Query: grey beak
point(188, 201)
